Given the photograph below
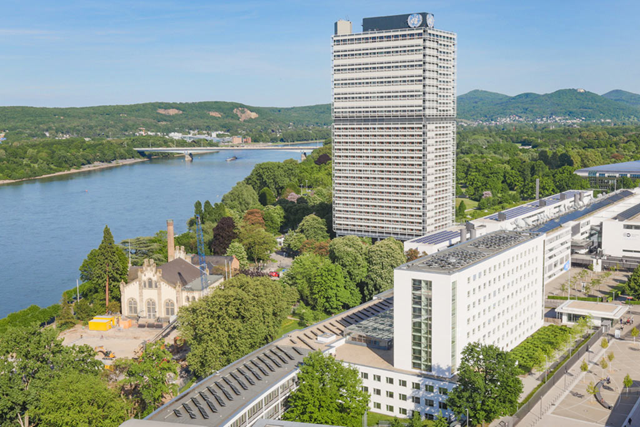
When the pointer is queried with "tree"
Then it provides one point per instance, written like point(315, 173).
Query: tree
point(271, 175)
point(604, 343)
point(258, 242)
point(30, 358)
point(634, 333)
point(632, 287)
point(76, 399)
point(604, 364)
point(233, 321)
point(148, 379)
point(83, 309)
point(321, 284)
point(273, 218)
point(65, 320)
point(440, 421)
point(462, 209)
point(412, 254)
point(382, 258)
point(241, 197)
point(254, 217)
point(197, 208)
point(293, 241)
point(223, 234)
point(396, 422)
point(266, 197)
point(563, 287)
point(208, 213)
point(584, 367)
point(329, 393)
point(628, 382)
point(592, 389)
point(488, 384)
point(107, 262)
point(611, 356)
point(313, 228)
point(350, 253)
point(237, 250)
point(415, 420)
point(141, 248)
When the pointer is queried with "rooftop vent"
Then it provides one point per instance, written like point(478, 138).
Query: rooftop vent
point(325, 338)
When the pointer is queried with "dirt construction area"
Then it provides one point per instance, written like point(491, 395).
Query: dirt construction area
point(122, 342)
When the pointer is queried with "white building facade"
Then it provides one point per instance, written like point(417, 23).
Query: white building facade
point(394, 134)
point(487, 290)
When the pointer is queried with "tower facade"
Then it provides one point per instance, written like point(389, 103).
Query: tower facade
point(394, 132)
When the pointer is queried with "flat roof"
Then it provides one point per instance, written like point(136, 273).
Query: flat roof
point(528, 208)
point(468, 253)
point(578, 214)
point(279, 423)
point(597, 309)
point(438, 237)
point(625, 167)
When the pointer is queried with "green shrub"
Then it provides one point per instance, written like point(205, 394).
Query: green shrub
point(532, 351)
point(559, 297)
point(29, 316)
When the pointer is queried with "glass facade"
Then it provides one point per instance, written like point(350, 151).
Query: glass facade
point(454, 303)
point(421, 319)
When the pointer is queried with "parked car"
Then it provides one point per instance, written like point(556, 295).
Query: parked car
point(274, 274)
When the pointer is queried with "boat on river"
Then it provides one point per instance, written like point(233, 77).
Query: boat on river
point(231, 159)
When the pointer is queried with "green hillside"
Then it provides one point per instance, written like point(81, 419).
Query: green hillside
point(124, 120)
point(562, 103)
point(623, 96)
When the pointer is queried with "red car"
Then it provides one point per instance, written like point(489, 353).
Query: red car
point(274, 274)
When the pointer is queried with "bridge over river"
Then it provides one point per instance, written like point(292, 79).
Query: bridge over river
point(190, 151)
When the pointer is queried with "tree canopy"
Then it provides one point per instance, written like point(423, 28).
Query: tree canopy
point(233, 321)
point(488, 384)
point(382, 258)
point(241, 197)
point(223, 234)
point(329, 393)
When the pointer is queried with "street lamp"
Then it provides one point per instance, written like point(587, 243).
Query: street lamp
point(467, 417)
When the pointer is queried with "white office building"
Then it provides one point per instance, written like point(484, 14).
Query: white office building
point(487, 290)
point(394, 134)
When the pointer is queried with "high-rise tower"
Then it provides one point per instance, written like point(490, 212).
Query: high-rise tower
point(394, 131)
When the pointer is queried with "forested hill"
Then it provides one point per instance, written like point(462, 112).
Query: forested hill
point(624, 97)
point(482, 105)
point(262, 123)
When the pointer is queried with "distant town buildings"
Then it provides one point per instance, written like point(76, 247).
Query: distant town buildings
point(394, 130)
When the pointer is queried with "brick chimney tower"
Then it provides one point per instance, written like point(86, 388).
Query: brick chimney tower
point(170, 242)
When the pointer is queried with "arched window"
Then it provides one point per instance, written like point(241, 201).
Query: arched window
point(155, 283)
point(169, 308)
point(151, 309)
point(186, 299)
point(133, 306)
point(150, 284)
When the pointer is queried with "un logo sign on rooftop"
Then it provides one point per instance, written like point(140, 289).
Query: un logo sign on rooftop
point(414, 20)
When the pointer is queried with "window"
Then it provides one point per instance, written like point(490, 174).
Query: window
point(443, 391)
point(151, 309)
point(149, 283)
point(402, 383)
point(390, 394)
point(416, 386)
point(365, 389)
point(442, 405)
point(429, 402)
point(364, 375)
point(415, 399)
point(376, 378)
point(389, 408)
point(169, 308)
point(376, 405)
point(186, 299)
point(402, 397)
point(133, 306)
point(389, 380)
point(428, 387)
point(376, 391)
point(402, 411)
point(429, 417)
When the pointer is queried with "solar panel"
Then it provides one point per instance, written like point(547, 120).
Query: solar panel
point(629, 213)
point(437, 238)
point(204, 413)
point(233, 387)
point(178, 413)
point(285, 352)
point(275, 362)
point(237, 378)
point(572, 216)
point(267, 364)
point(279, 356)
point(224, 390)
point(297, 351)
point(255, 374)
point(264, 371)
point(209, 402)
point(189, 410)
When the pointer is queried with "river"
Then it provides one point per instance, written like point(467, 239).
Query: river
point(48, 226)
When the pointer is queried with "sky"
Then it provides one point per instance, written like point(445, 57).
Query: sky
point(73, 53)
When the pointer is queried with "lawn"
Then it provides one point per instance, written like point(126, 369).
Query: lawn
point(373, 418)
point(470, 204)
point(287, 326)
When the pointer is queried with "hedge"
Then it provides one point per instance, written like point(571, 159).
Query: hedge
point(632, 302)
point(593, 299)
point(29, 316)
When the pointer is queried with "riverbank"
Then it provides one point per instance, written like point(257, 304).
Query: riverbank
point(85, 168)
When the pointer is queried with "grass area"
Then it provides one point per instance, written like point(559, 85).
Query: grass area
point(373, 418)
point(470, 204)
point(287, 326)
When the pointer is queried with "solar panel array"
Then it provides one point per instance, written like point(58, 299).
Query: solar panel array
point(629, 213)
point(533, 206)
point(572, 216)
point(437, 238)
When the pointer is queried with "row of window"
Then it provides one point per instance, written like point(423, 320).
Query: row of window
point(169, 307)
